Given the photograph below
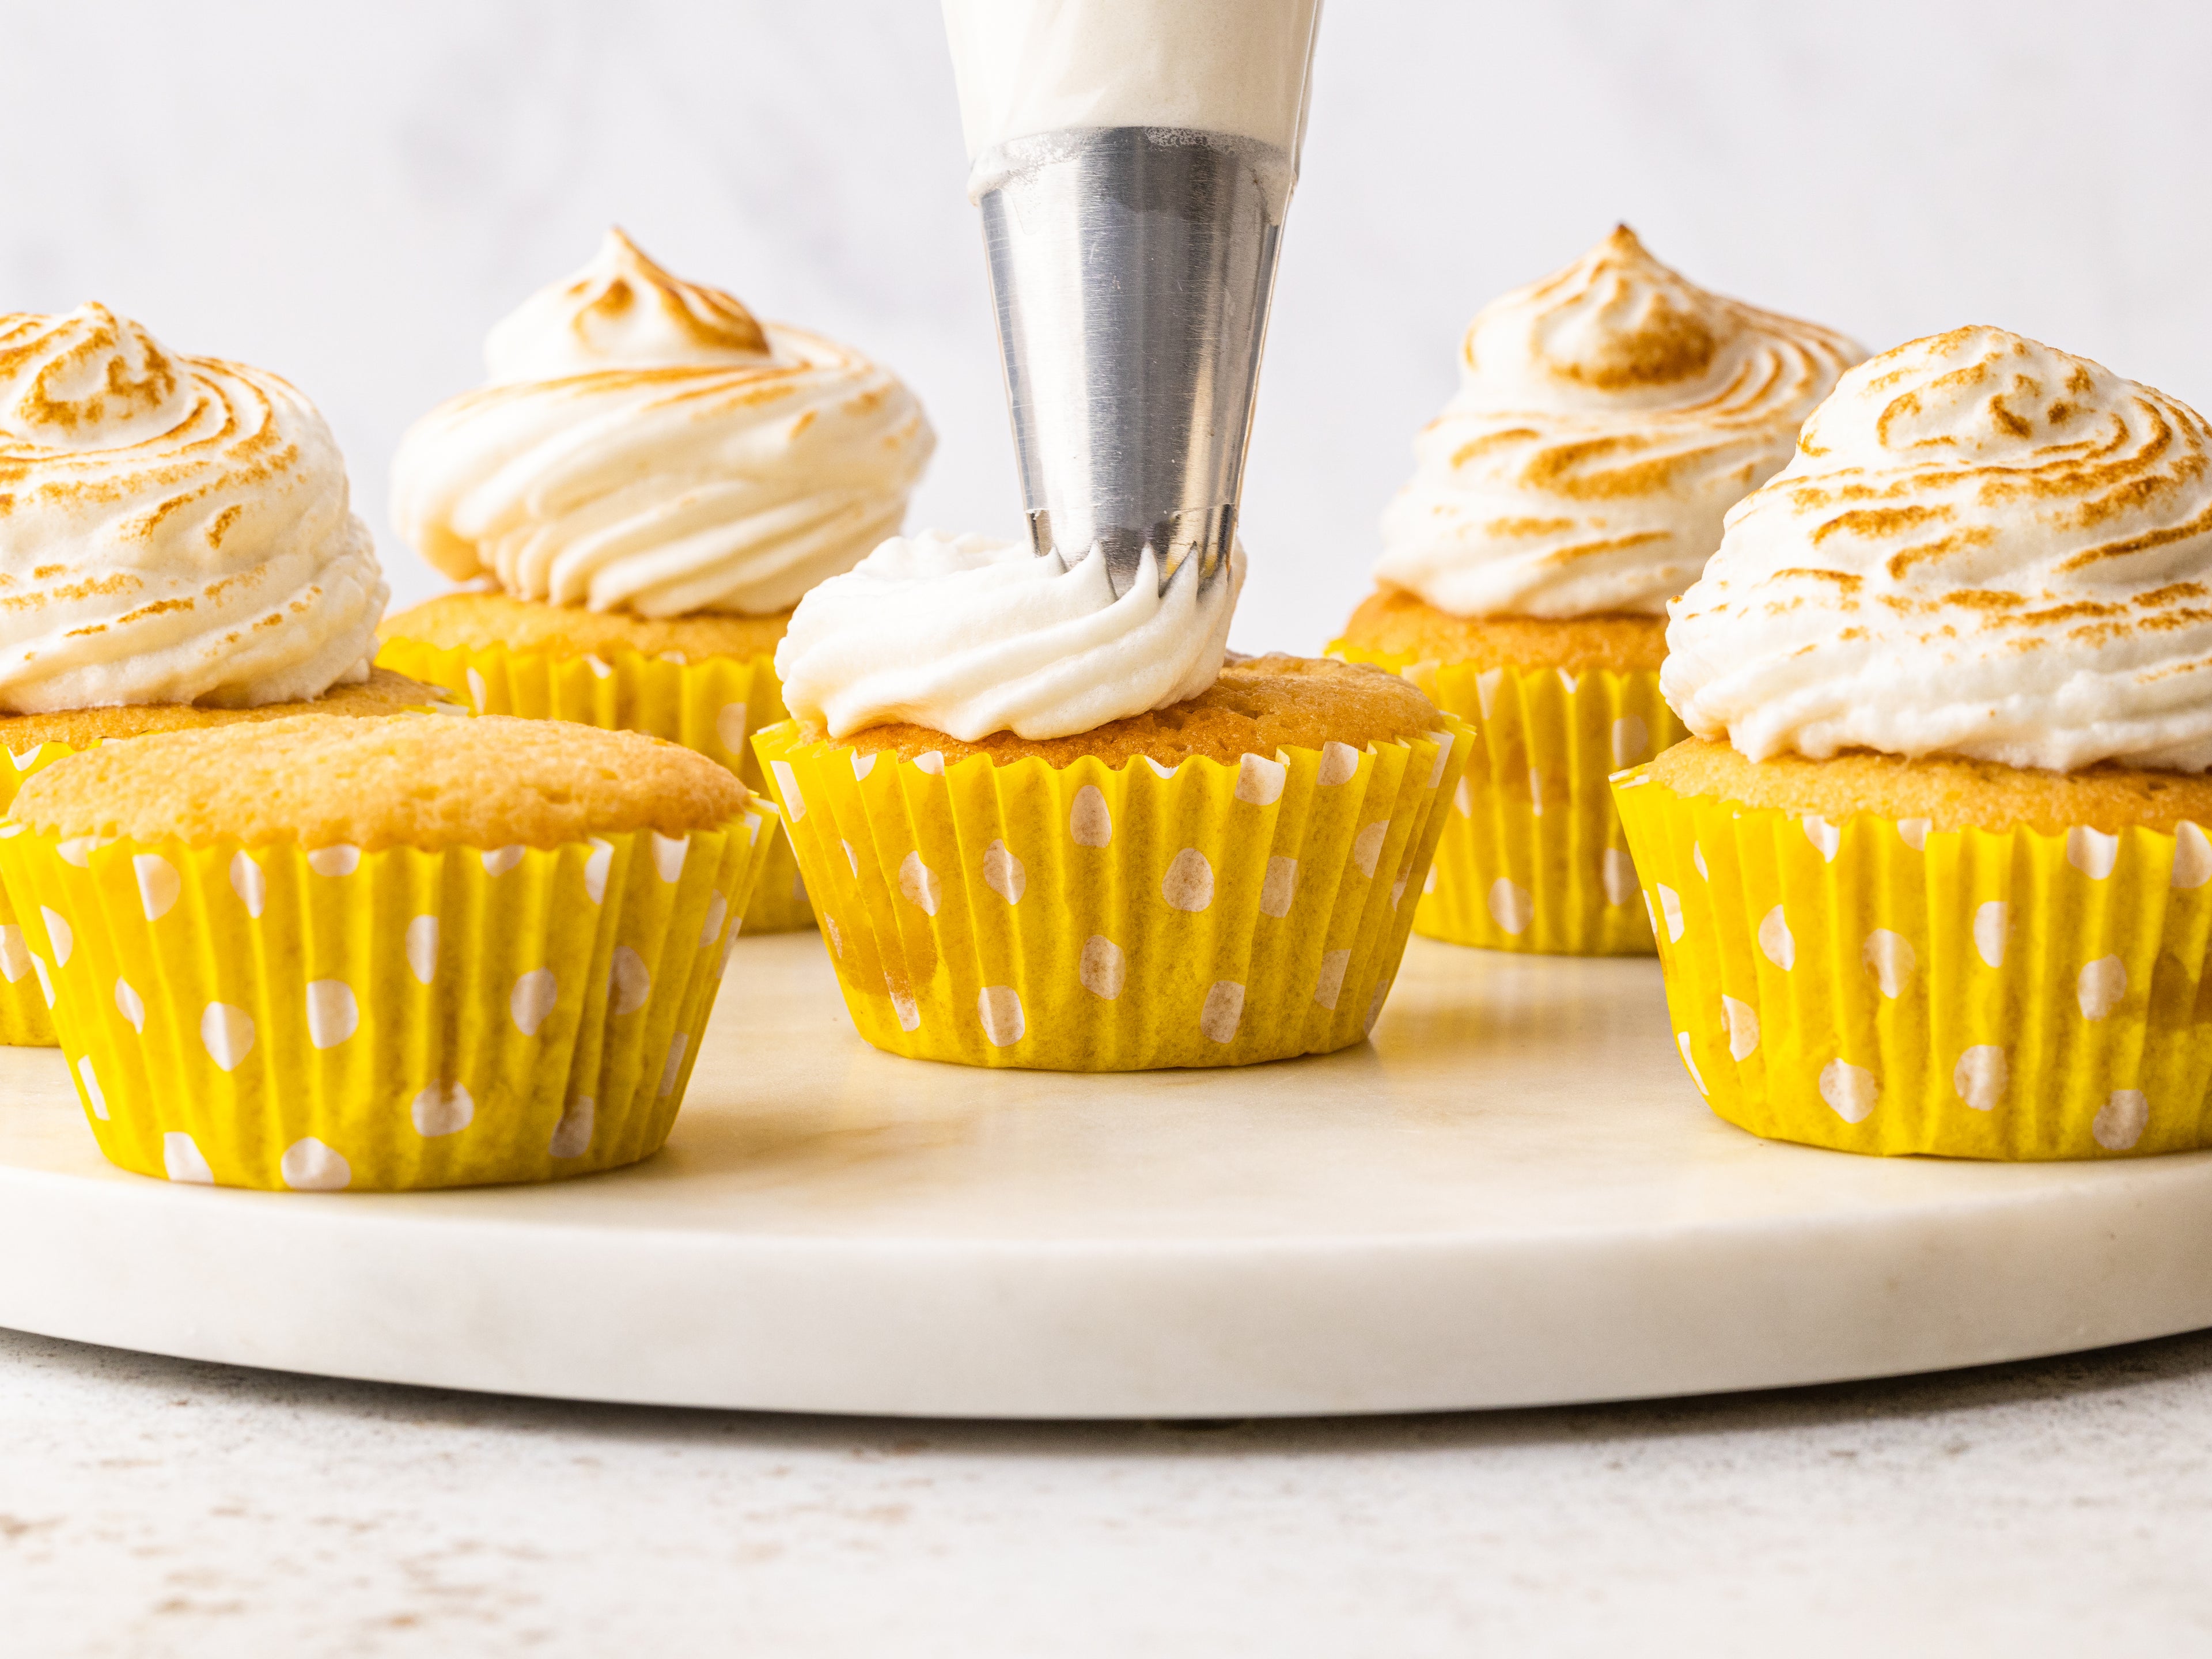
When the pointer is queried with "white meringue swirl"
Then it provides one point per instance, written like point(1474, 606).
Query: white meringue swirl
point(172, 529)
point(1984, 547)
point(647, 445)
point(1606, 417)
point(968, 636)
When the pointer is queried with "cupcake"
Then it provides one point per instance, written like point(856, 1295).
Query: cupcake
point(178, 548)
point(317, 953)
point(1606, 417)
point(1932, 876)
point(1048, 827)
point(650, 482)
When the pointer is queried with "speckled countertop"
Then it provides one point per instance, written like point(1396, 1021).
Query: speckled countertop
point(151, 1507)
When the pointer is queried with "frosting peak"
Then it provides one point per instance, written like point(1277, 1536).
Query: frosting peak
point(647, 445)
point(1984, 547)
point(622, 311)
point(1608, 417)
point(173, 529)
point(968, 636)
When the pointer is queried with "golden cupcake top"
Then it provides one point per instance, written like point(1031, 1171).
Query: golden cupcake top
point(494, 622)
point(1608, 417)
point(487, 782)
point(382, 694)
point(645, 444)
point(1984, 547)
point(1258, 705)
point(173, 529)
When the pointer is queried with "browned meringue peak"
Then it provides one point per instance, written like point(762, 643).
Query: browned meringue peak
point(173, 529)
point(622, 311)
point(1984, 546)
point(1608, 417)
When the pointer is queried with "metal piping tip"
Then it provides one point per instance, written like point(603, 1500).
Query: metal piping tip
point(1132, 269)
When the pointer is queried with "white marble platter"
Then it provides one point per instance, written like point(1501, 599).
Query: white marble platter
point(1513, 1196)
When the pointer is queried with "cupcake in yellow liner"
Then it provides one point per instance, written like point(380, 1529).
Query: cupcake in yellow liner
point(705, 682)
point(653, 478)
point(1532, 857)
point(1228, 878)
point(317, 953)
point(34, 742)
point(1933, 876)
point(1608, 417)
point(178, 551)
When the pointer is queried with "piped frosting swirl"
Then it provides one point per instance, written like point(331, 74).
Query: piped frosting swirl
point(646, 445)
point(1984, 547)
point(173, 529)
point(1607, 418)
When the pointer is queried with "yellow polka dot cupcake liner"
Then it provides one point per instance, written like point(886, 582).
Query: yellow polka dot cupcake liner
point(1089, 918)
point(1533, 856)
point(711, 706)
point(1878, 986)
point(26, 1020)
point(266, 1017)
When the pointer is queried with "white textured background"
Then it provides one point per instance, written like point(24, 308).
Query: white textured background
point(351, 194)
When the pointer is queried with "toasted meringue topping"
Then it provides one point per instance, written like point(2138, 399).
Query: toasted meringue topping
point(1984, 547)
point(647, 445)
point(172, 529)
point(1607, 418)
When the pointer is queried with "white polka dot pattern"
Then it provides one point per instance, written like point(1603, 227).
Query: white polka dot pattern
point(130, 1006)
point(309, 1166)
point(1982, 1076)
point(158, 884)
point(1279, 889)
point(1463, 798)
point(249, 883)
point(907, 1009)
point(422, 945)
point(669, 854)
point(227, 1034)
point(1375, 1001)
point(1824, 836)
point(95, 1098)
point(443, 1108)
point(862, 765)
point(333, 1013)
point(1003, 874)
point(1223, 1012)
point(476, 695)
point(918, 884)
point(1512, 907)
point(1260, 780)
point(930, 761)
point(338, 860)
point(672, 1071)
point(1089, 823)
point(14, 954)
point(1443, 741)
point(630, 983)
point(1913, 832)
point(710, 926)
point(572, 1135)
point(1689, 1063)
point(1367, 846)
point(46, 979)
point(1992, 922)
point(1331, 983)
point(1851, 1091)
point(1617, 871)
point(532, 1000)
point(1776, 942)
point(1670, 907)
point(1339, 763)
point(2102, 987)
point(2120, 1122)
point(730, 727)
point(58, 935)
point(1743, 1022)
point(182, 1160)
point(1188, 883)
point(78, 850)
point(501, 860)
point(786, 785)
point(1000, 1008)
point(2192, 856)
point(1697, 861)
point(2091, 852)
point(1890, 957)
point(1103, 968)
point(596, 868)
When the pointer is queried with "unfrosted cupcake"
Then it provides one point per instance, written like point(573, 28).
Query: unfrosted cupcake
point(1932, 876)
point(651, 479)
point(1048, 827)
point(177, 549)
point(318, 953)
point(1608, 417)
